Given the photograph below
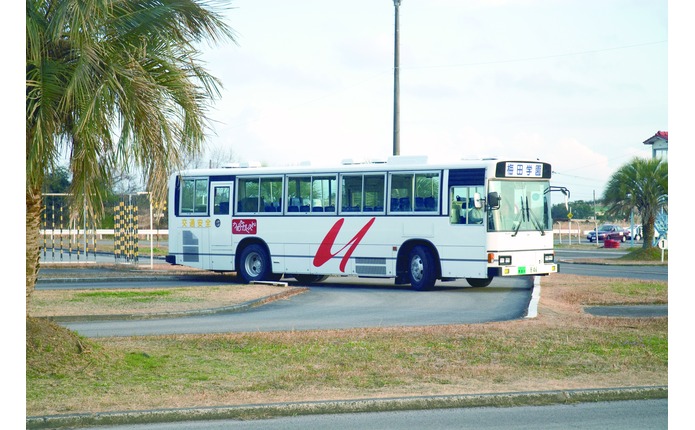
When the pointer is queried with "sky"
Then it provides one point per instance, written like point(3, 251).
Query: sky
point(578, 84)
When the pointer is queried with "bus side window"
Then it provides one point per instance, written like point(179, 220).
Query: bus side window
point(194, 196)
point(271, 195)
point(426, 192)
point(457, 214)
point(401, 190)
point(247, 195)
point(459, 210)
point(351, 199)
point(374, 192)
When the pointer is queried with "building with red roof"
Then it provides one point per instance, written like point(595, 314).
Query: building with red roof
point(659, 144)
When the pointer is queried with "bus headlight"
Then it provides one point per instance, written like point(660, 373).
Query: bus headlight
point(505, 260)
point(548, 258)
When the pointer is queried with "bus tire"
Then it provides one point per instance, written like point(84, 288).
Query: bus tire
point(254, 264)
point(421, 268)
point(479, 282)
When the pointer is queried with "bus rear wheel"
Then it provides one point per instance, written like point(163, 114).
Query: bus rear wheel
point(479, 282)
point(254, 264)
point(421, 270)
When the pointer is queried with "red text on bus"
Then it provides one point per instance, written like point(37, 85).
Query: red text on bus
point(323, 254)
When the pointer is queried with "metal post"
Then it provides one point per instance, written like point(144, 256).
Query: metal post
point(396, 88)
point(598, 245)
point(632, 226)
point(84, 214)
point(149, 195)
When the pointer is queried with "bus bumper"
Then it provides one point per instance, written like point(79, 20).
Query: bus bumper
point(540, 270)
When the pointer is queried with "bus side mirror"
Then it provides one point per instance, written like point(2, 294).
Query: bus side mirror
point(564, 191)
point(493, 200)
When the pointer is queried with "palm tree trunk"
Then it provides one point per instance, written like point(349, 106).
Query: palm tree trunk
point(33, 226)
point(648, 230)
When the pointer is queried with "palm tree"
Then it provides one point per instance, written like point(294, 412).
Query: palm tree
point(642, 184)
point(113, 83)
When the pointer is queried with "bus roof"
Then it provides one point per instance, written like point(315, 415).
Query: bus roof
point(394, 163)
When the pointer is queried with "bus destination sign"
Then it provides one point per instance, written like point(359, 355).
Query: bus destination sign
point(523, 170)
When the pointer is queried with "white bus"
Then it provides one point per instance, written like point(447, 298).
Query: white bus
point(405, 219)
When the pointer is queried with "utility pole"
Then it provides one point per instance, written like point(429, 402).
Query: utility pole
point(396, 89)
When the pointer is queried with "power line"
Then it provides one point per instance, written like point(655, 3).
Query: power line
point(575, 177)
point(544, 57)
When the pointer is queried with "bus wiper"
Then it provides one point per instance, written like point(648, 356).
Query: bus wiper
point(533, 219)
point(528, 210)
point(517, 221)
point(526, 214)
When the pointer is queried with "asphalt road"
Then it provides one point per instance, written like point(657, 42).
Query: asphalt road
point(569, 257)
point(650, 414)
point(342, 303)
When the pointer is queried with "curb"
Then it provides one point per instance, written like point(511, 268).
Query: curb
point(273, 410)
point(610, 263)
point(156, 276)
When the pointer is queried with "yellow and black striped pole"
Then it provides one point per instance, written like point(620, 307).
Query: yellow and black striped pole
point(61, 233)
point(136, 249)
point(53, 230)
point(45, 228)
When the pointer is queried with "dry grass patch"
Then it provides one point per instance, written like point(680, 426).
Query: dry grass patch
point(561, 349)
point(53, 303)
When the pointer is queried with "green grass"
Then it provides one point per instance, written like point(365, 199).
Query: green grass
point(134, 296)
point(259, 363)
point(645, 254)
point(631, 290)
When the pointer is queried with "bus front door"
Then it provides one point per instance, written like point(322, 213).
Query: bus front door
point(220, 239)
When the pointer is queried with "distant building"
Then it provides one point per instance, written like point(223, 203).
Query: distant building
point(659, 144)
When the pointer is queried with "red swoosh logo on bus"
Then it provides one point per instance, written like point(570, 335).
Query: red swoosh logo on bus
point(324, 252)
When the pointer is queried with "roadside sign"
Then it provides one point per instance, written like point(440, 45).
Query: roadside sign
point(663, 244)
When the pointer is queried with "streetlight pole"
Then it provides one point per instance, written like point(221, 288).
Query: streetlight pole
point(396, 89)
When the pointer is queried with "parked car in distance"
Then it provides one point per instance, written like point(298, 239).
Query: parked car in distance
point(607, 231)
point(628, 234)
point(637, 229)
point(639, 232)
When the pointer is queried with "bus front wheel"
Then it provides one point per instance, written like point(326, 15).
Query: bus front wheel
point(254, 264)
point(421, 270)
point(479, 282)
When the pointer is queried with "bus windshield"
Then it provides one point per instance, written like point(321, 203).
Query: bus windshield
point(524, 206)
